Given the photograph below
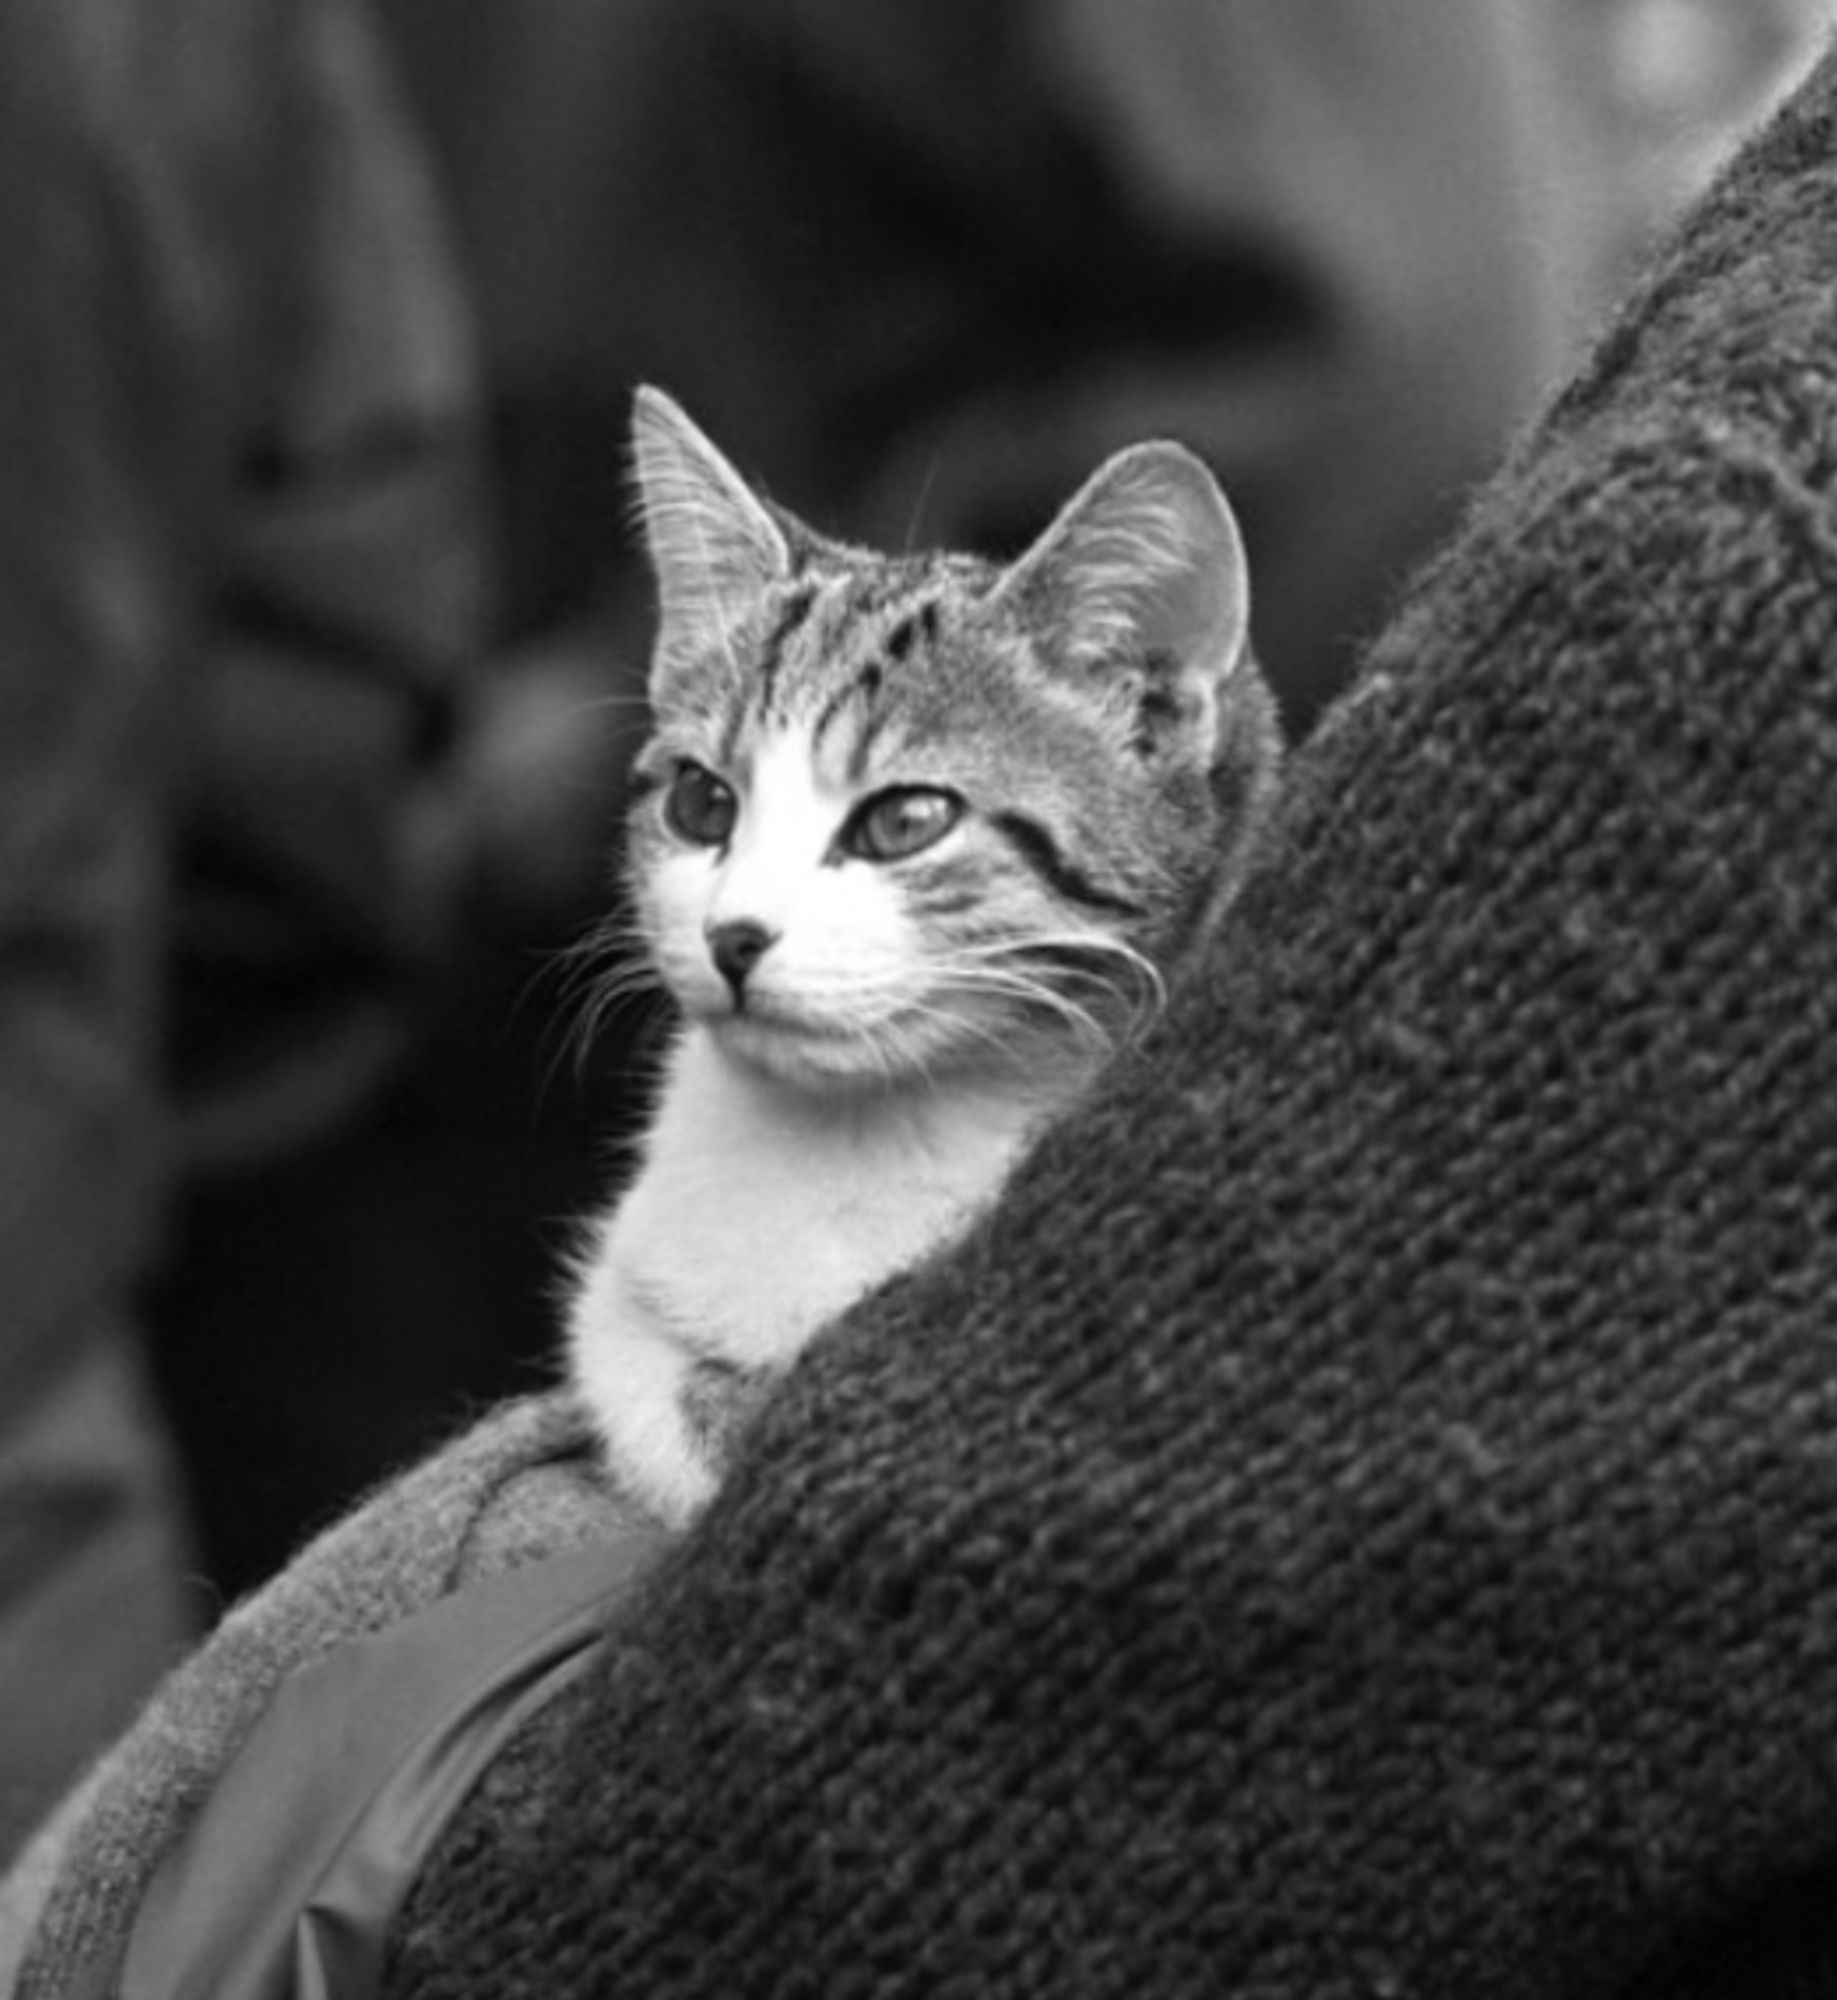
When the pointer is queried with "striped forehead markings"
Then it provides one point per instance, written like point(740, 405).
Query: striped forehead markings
point(922, 622)
point(832, 610)
point(861, 691)
point(792, 613)
point(760, 694)
point(822, 609)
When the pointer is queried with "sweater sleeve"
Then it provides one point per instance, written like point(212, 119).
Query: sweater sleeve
point(1360, 1518)
point(519, 1486)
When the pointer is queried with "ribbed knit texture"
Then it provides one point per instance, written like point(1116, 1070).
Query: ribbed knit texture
point(1362, 1519)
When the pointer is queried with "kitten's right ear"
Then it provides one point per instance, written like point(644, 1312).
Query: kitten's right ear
point(713, 546)
point(1144, 568)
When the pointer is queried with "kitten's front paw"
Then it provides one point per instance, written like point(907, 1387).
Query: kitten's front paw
point(674, 1489)
point(653, 1455)
point(635, 1382)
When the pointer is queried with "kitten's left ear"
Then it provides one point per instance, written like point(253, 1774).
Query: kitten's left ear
point(713, 545)
point(1144, 569)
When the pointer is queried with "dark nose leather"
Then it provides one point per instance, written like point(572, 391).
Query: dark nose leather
point(736, 948)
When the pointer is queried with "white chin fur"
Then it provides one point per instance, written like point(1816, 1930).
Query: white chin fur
point(798, 1052)
point(931, 1049)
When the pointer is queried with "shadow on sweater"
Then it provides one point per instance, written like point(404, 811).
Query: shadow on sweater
point(1780, 1946)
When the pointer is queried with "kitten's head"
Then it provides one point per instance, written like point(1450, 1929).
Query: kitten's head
point(903, 815)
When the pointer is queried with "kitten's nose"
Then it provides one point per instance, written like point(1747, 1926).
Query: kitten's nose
point(736, 947)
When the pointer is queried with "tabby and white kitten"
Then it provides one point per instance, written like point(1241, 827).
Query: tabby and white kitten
point(905, 841)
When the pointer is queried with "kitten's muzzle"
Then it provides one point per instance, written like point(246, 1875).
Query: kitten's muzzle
point(736, 947)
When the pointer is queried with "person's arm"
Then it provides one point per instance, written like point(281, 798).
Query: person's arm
point(1360, 1517)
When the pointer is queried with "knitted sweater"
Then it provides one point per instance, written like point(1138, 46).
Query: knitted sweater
point(1362, 1517)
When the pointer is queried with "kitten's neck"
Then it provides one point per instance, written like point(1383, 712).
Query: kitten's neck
point(763, 1208)
point(899, 1122)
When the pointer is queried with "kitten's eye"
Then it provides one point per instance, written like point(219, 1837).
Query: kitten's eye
point(699, 807)
point(900, 821)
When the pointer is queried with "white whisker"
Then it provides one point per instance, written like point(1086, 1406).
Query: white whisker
point(918, 505)
point(1011, 968)
point(600, 971)
point(592, 704)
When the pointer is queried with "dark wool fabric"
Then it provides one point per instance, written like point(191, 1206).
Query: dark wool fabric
point(1362, 1519)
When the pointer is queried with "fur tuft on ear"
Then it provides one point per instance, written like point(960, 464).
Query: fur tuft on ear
point(1143, 573)
point(714, 547)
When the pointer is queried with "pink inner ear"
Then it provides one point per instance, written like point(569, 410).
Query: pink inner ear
point(714, 547)
point(1145, 559)
point(1194, 607)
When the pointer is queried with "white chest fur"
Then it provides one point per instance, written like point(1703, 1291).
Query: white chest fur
point(760, 1212)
